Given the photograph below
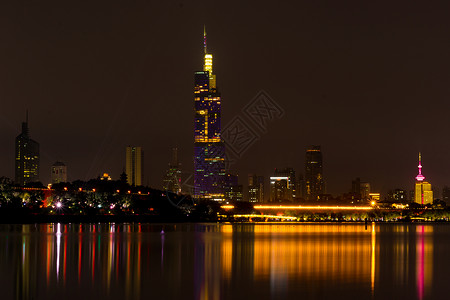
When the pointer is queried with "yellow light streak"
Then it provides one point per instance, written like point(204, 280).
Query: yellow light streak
point(227, 206)
point(300, 207)
point(264, 216)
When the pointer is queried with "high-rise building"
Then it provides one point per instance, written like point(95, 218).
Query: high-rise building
point(290, 173)
point(134, 165)
point(314, 183)
point(255, 188)
point(446, 195)
point(360, 190)
point(283, 185)
point(27, 157)
point(423, 192)
point(59, 172)
point(172, 179)
point(233, 190)
point(365, 190)
point(299, 188)
point(209, 148)
point(279, 189)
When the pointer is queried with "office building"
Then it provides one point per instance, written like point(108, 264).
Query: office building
point(26, 157)
point(233, 190)
point(134, 165)
point(292, 187)
point(279, 189)
point(299, 188)
point(255, 188)
point(360, 190)
point(314, 182)
point(59, 172)
point(209, 148)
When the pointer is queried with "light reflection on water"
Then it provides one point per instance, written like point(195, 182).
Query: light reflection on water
point(223, 261)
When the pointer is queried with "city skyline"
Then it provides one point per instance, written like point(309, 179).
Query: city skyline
point(335, 93)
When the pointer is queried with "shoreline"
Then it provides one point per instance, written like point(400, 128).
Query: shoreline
point(84, 219)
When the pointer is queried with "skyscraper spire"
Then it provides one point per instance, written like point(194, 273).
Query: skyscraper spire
point(420, 177)
point(208, 63)
point(204, 38)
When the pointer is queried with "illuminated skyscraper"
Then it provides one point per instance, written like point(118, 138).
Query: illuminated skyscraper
point(134, 165)
point(209, 149)
point(423, 193)
point(314, 184)
point(27, 157)
point(255, 188)
point(233, 190)
point(279, 189)
point(59, 172)
point(290, 173)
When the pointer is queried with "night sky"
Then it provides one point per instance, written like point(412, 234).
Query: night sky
point(366, 80)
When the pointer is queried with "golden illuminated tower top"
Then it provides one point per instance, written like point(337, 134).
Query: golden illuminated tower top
point(208, 63)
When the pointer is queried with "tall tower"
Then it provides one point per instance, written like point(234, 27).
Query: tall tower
point(27, 157)
point(209, 149)
point(423, 194)
point(314, 184)
point(134, 165)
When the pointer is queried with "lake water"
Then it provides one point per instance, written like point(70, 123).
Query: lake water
point(225, 261)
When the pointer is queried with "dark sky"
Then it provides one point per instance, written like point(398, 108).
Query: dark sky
point(366, 80)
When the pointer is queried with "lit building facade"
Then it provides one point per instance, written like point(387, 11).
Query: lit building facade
point(361, 190)
point(374, 197)
point(279, 189)
point(233, 190)
point(314, 183)
point(209, 148)
point(172, 179)
point(134, 165)
point(59, 172)
point(255, 188)
point(26, 157)
point(292, 186)
point(423, 194)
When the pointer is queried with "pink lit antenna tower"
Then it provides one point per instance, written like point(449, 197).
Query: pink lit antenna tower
point(419, 176)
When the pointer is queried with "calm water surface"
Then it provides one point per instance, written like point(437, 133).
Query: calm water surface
point(223, 261)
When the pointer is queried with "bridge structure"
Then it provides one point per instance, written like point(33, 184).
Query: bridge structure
point(267, 208)
point(269, 212)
